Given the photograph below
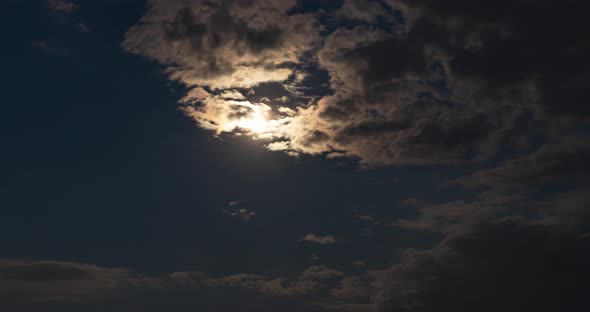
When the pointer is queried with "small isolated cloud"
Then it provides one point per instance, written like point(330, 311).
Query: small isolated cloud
point(48, 48)
point(82, 27)
point(234, 203)
point(367, 219)
point(359, 264)
point(313, 258)
point(322, 240)
point(236, 209)
point(63, 6)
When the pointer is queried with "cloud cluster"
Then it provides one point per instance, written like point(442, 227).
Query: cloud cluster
point(494, 264)
point(532, 260)
point(223, 44)
point(236, 209)
point(502, 265)
point(30, 284)
point(439, 84)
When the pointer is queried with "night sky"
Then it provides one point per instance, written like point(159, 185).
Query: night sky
point(295, 155)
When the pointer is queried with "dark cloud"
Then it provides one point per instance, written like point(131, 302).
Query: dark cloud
point(448, 217)
point(374, 128)
point(351, 288)
point(488, 77)
point(555, 163)
point(389, 111)
point(505, 43)
point(361, 10)
point(549, 186)
point(23, 282)
point(381, 60)
point(504, 265)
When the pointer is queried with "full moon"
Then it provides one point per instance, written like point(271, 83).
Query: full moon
point(256, 122)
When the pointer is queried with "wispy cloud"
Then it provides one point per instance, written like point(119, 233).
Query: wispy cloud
point(63, 6)
point(49, 284)
point(316, 239)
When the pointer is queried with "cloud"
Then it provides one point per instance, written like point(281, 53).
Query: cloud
point(367, 219)
point(495, 264)
point(508, 45)
point(320, 273)
point(243, 214)
point(548, 185)
point(322, 240)
point(236, 209)
point(52, 285)
point(65, 286)
point(449, 217)
point(557, 162)
point(361, 10)
point(234, 203)
point(351, 288)
point(310, 281)
point(63, 6)
point(563, 206)
point(82, 27)
point(359, 264)
point(386, 111)
point(233, 44)
point(503, 265)
point(49, 281)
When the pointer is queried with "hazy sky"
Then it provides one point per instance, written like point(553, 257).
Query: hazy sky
point(295, 155)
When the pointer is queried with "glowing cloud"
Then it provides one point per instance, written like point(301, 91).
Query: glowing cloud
point(391, 96)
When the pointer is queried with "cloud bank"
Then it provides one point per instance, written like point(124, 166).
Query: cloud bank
point(438, 84)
